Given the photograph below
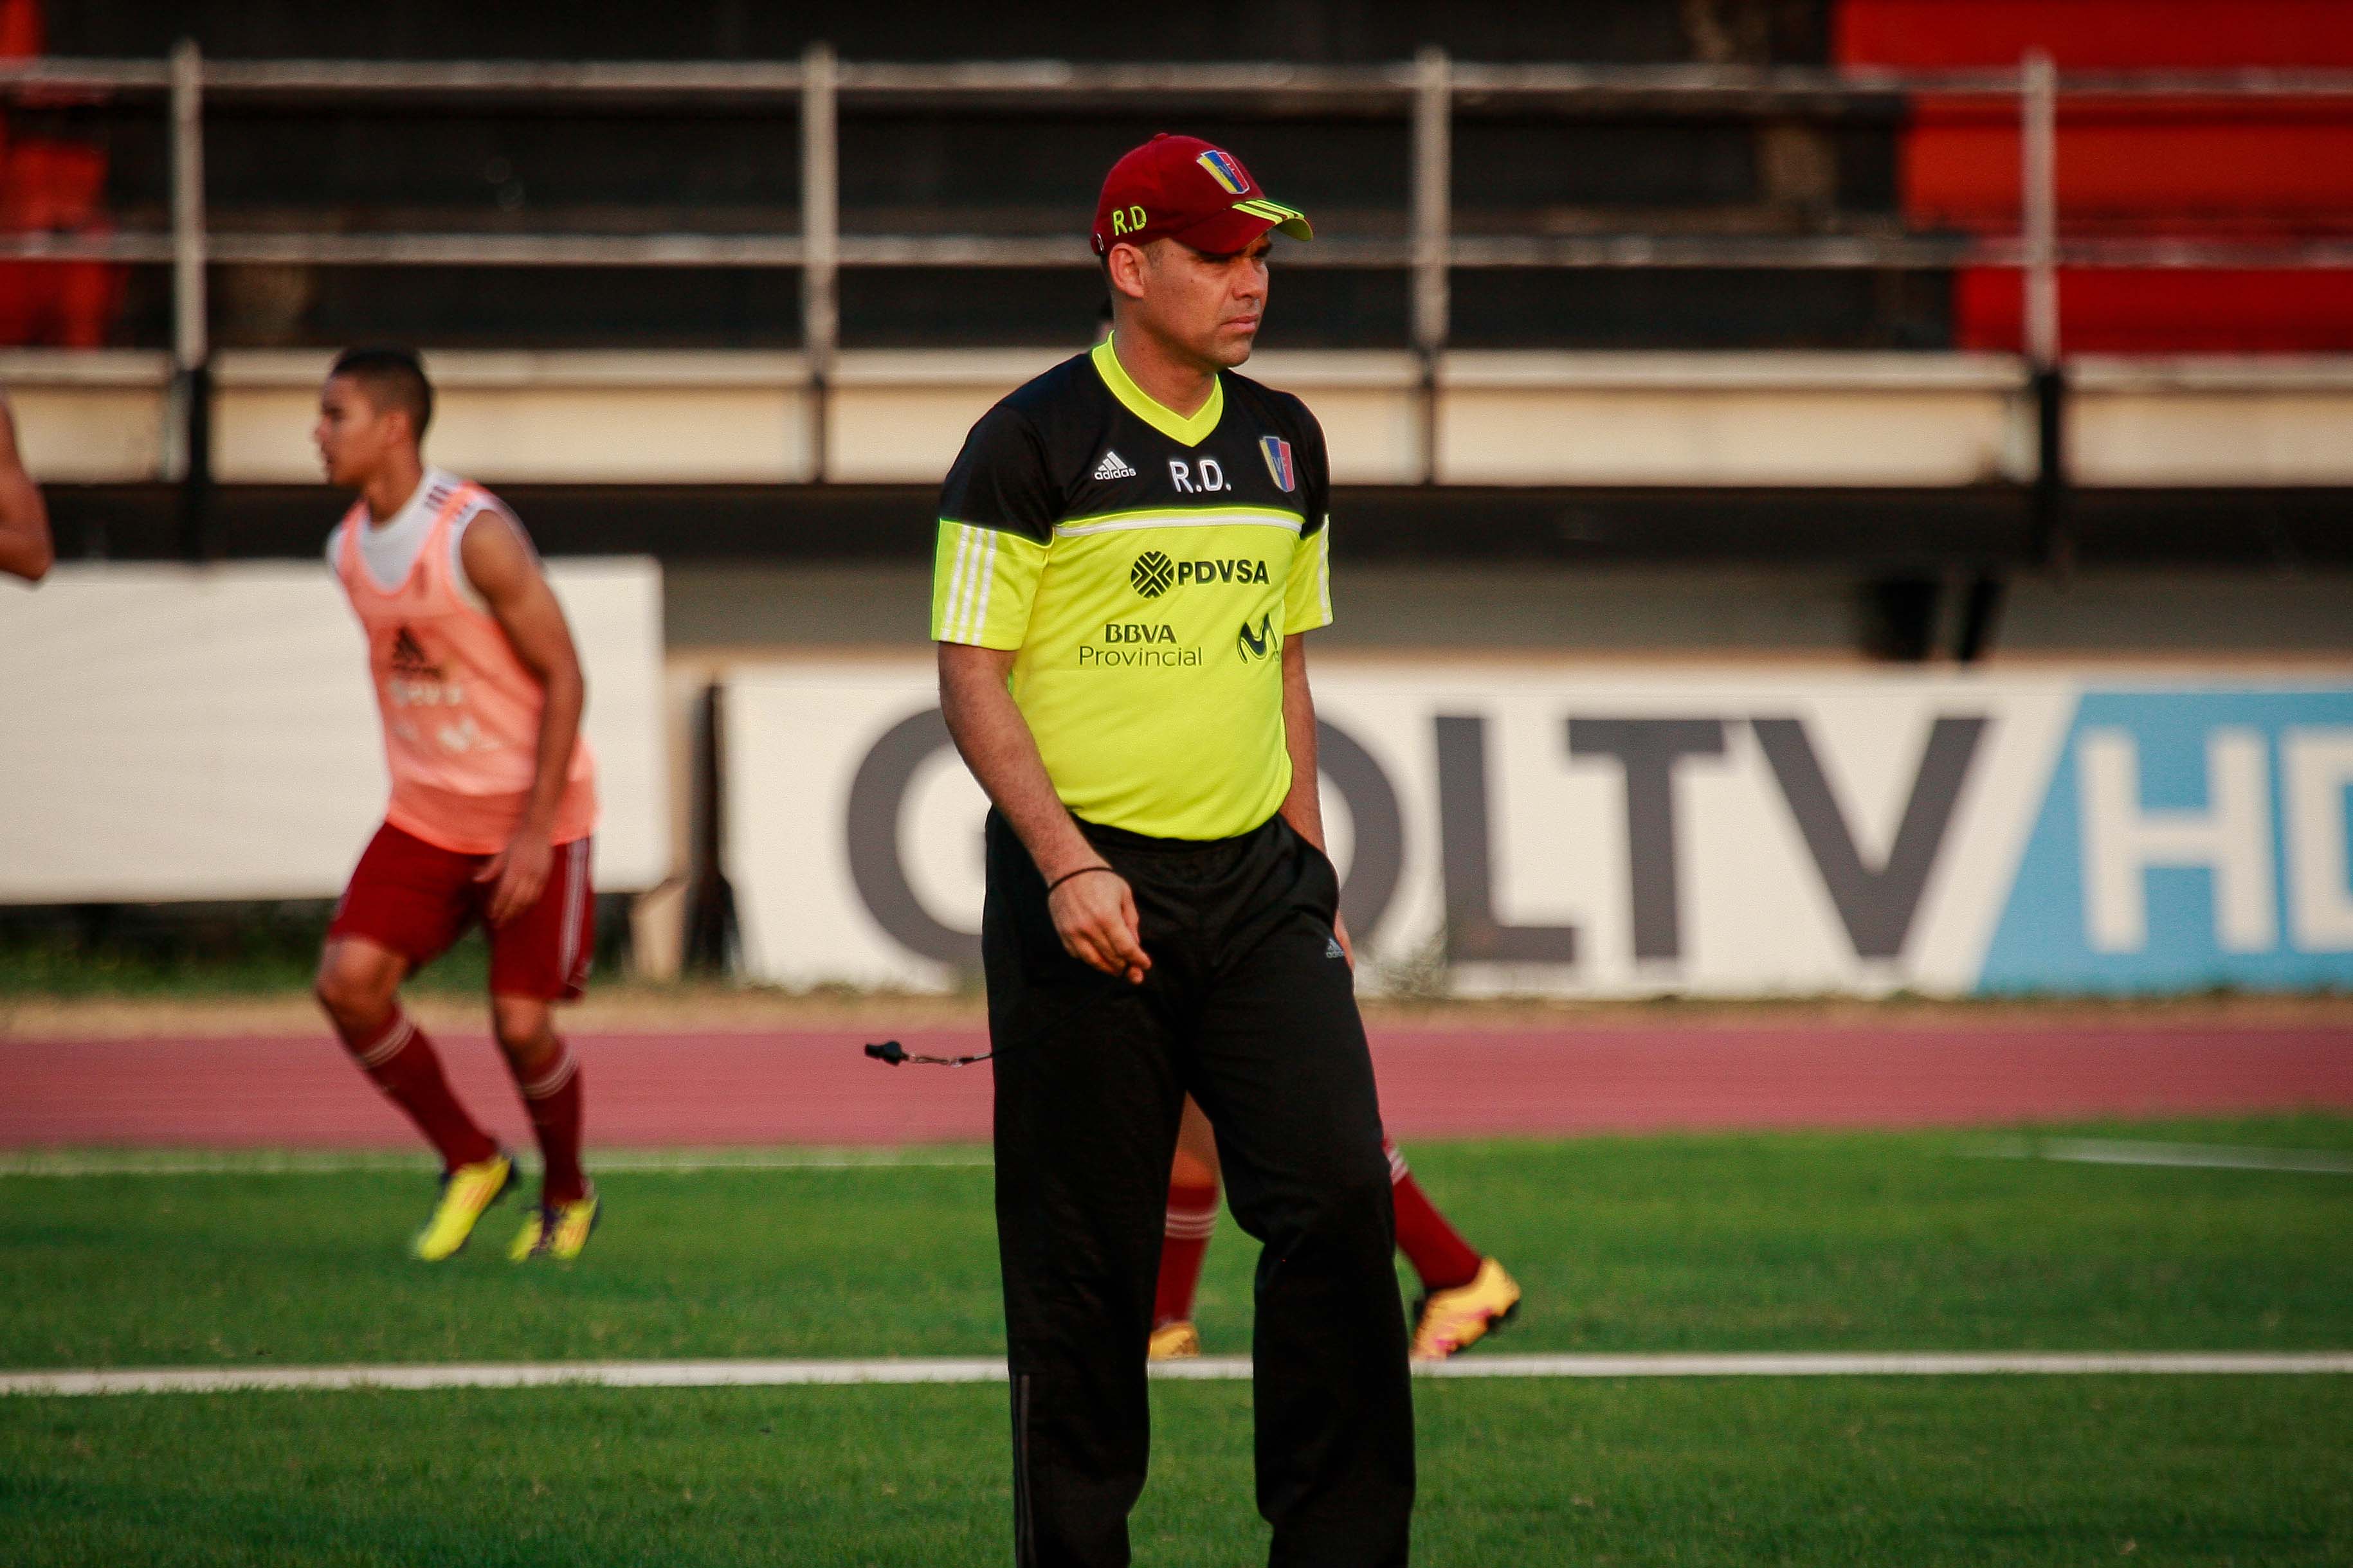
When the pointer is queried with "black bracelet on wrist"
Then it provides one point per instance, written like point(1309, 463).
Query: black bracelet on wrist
point(1068, 874)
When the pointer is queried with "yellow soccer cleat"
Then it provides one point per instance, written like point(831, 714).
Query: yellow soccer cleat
point(556, 1230)
point(1178, 1340)
point(466, 1192)
point(1451, 1321)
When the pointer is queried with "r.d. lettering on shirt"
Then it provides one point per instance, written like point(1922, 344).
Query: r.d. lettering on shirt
point(1202, 476)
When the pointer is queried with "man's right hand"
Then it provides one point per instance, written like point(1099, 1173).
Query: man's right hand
point(1094, 914)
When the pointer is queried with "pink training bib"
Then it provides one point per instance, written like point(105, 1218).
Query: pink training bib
point(461, 712)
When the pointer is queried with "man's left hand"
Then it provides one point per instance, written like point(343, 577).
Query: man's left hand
point(519, 873)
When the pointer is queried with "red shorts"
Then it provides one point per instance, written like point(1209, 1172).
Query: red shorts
point(416, 899)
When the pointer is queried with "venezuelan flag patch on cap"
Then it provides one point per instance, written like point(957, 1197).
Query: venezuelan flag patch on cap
point(1226, 169)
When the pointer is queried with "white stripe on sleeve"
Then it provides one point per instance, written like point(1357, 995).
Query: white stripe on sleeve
point(948, 614)
point(987, 582)
point(1323, 565)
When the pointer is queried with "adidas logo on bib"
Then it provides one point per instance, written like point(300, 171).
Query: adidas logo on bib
point(1114, 467)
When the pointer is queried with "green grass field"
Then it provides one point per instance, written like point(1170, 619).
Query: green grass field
point(1719, 1243)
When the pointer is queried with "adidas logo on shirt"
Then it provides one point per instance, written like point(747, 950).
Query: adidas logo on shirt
point(1331, 947)
point(408, 656)
point(1114, 467)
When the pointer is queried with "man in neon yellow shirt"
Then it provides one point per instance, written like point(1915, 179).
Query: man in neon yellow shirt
point(1131, 548)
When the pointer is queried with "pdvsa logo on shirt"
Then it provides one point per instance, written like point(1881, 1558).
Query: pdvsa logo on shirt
point(1153, 573)
point(1235, 570)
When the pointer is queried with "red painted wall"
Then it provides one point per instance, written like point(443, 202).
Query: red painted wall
point(2192, 167)
point(48, 184)
point(2090, 35)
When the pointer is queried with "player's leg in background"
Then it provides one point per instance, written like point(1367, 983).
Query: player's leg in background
point(537, 958)
point(1435, 1248)
point(407, 900)
point(1463, 1294)
point(359, 985)
point(1192, 1220)
point(1086, 1107)
point(548, 1075)
point(1282, 1070)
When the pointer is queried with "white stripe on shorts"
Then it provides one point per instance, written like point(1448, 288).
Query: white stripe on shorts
point(576, 866)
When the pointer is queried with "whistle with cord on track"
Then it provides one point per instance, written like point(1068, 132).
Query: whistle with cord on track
point(893, 1053)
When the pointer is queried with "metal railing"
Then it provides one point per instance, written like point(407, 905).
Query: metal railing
point(1426, 91)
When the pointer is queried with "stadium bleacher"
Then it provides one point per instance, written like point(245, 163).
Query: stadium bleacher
point(1673, 411)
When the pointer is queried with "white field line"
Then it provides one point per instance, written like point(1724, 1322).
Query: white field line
point(325, 1163)
point(1216, 1369)
point(2210, 1156)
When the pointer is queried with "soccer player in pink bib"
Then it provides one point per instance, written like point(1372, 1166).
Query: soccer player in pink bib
point(493, 799)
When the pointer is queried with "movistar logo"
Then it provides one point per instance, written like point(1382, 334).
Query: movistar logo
point(1257, 642)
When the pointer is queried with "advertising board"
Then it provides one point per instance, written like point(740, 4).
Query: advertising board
point(180, 732)
point(1635, 832)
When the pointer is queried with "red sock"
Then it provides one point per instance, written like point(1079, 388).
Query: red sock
point(405, 1066)
point(1437, 1251)
point(553, 1099)
point(1192, 1220)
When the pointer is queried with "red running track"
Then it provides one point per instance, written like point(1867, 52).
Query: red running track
point(675, 1090)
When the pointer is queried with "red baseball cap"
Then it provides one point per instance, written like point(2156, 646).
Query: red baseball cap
point(1184, 189)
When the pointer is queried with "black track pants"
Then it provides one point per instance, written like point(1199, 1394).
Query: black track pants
point(1248, 1007)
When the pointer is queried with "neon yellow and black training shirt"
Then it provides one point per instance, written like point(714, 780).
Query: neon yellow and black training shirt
point(1146, 566)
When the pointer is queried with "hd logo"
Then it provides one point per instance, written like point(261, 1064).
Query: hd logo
point(1153, 573)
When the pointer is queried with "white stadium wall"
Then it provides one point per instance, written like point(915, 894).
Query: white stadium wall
point(1527, 829)
point(179, 732)
point(1516, 418)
